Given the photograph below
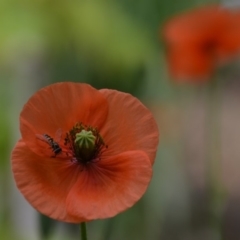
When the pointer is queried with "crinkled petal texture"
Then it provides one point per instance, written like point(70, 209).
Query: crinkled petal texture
point(44, 182)
point(199, 40)
point(111, 186)
point(60, 106)
point(64, 189)
point(129, 125)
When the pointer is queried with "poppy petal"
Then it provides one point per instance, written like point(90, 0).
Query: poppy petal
point(189, 64)
point(110, 186)
point(53, 174)
point(200, 40)
point(60, 106)
point(44, 182)
point(129, 125)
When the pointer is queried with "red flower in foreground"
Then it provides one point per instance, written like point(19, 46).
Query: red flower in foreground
point(84, 154)
point(199, 40)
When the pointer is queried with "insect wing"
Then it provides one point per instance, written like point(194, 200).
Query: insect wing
point(58, 135)
point(42, 137)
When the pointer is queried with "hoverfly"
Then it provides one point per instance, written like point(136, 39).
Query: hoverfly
point(56, 149)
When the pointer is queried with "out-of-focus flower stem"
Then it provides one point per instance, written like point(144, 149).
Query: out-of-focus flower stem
point(108, 229)
point(216, 192)
point(83, 231)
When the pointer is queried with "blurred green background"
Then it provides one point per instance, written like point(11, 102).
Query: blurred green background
point(117, 44)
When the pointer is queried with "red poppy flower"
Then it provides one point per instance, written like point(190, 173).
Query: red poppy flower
point(84, 154)
point(199, 40)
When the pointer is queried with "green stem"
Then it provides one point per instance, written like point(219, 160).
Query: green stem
point(216, 191)
point(83, 231)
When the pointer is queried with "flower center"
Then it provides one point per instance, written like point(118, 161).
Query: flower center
point(85, 143)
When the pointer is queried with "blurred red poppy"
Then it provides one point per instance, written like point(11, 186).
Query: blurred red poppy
point(200, 40)
point(103, 173)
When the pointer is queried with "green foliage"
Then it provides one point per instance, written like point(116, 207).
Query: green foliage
point(4, 125)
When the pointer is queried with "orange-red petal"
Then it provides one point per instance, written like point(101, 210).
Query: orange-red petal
point(189, 64)
point(129, 125)
point(198, 40)
point(67, 192)
point(61, 186)
point(44, 182)
point(60, 106)
point(111, 186)
point(229, 41)
point(194, 26)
